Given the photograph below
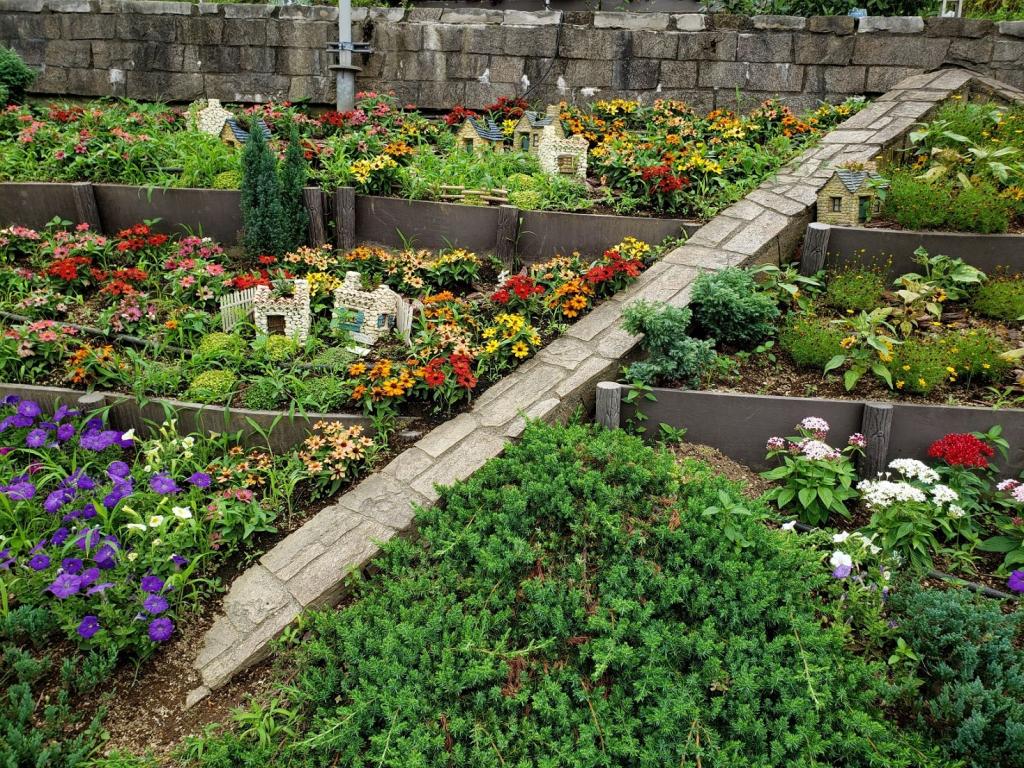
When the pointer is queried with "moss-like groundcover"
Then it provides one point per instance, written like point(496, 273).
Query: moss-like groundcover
point(573, 604)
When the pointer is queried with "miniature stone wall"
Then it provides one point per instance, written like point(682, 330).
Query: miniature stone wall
point(436, 57)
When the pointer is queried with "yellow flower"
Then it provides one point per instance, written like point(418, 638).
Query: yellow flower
point(922, 383)
point(356, 368)
point(899, 384)
point(520, 350)
point(491, 346)
point(848, 342)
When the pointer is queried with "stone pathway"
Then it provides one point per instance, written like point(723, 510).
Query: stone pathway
point(306, 570)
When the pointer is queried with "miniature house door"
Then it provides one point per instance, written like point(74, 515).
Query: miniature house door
point(863, 208)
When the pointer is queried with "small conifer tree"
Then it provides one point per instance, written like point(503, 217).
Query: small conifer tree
point(294, 218)
point(261, 196)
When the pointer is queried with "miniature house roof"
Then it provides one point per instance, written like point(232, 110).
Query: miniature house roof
point(486, 129)
point(240, 133)
point(854, 180)
point(535, 119)
point(210, 119)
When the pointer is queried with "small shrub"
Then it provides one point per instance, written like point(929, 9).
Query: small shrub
point(729, 307)
point(156, 378)
point(671, 354)
point(526, 199)
point(212, 386)
point(276, 348)
point(811, 341)
point(978, 209)
point(261, 196)
point(227, 180)
point(1001, 298)
point(15, 77)
point(859, 289)
point(294, 218)
point(519, 182)
point(917, 204)
point(219, 346)
point(334, 358)
point(975, 354)
point(263, 394)
point(325, 394)
point(972, 701)
point(919, 366)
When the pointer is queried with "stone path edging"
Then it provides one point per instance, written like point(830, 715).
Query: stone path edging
point(307, 568)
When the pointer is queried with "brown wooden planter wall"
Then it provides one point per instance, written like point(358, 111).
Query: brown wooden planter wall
point(837, 247)
point(277, 430)
point(539, 235)
point(739, 425)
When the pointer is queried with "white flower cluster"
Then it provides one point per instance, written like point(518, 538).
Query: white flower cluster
point(912, 469)
point(816, 450)
point(855, 538)
point(943, 494)
point(879, 494)
point(814, 424)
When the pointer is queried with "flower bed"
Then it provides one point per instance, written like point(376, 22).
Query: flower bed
point(474, 325)
point(663, 160)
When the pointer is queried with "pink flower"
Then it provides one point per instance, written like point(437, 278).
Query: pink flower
point(1007, 485)
point(83, 227)
point(80, 149)
point(187, 281)
point(857, 440)
point(60, 154)
point(214, 270)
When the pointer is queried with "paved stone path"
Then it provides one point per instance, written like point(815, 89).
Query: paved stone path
point(307, 569)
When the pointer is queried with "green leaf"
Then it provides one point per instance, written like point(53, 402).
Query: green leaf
point(851, 377)
point(999, 544)
point(834, 363)
point(807, 496)
point(882, 372)
point(826, 495)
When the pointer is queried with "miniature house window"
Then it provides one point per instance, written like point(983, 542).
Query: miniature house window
point(275, 325)
point(524, 143)
point(467, 143)
point(567, 164)
point(837, 204)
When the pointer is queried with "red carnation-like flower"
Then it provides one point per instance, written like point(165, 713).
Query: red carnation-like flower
point(961, 450)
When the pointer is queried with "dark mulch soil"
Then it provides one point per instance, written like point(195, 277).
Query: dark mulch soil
point(1016, 226)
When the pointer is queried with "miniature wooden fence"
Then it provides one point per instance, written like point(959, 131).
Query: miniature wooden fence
point(739, 425)
point(235, 307)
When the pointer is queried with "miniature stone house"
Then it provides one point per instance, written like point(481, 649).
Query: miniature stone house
point(530, 129)
point(562, 156)
point(849, 198)
point(282, 315)
point(210, 118)
point(234, 134)
point(367, 315)
point(478, 135)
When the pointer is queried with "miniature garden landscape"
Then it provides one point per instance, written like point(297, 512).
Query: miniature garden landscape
point(608, 430)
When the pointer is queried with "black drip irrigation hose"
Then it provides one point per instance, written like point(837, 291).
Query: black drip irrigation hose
point(980, 589)
point(89, 330)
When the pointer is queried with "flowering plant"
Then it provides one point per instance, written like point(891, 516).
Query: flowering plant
point(818, 477)
point(334, 455)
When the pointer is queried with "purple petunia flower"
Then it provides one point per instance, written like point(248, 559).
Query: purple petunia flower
point(72, 565)
point(179, 561)
point(65, 585)
point(36, 438)
point(199, 479)
point(83, 482)
point(11, 400)
point(57, 499)
point(98, 440)
point(20, 421)
point(59, 536)
point(89, 576)
point(160, 630)
point(29, 408)
point(6, 560)
point(163, 484)
point(21, 489)
point(105, 557)
point(99, 588)
point(1016, 581)
point(151, 584)
point(842, 571)
point(39, 562)
point(155, 604)
point(65, 432)
point(118, 469)
point(88, 627)
point(88, 539)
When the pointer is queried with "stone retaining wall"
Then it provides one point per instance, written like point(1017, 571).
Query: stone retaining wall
point(436, 57)
point(307, 569)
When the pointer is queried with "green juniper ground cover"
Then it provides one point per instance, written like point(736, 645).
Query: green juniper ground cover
point(575, 603)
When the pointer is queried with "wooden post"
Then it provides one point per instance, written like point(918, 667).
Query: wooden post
point(812, 257)
point(313, 200)
point(85, 205)
point(508, 234)
point(92, 401)
point(345, 218)
point(876, 426)
point(608, 408)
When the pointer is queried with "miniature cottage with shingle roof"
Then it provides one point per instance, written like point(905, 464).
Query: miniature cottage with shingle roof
point(530, 128)
point(367, 315)
point(233, 133)
point(849, 198)
point(480, 134)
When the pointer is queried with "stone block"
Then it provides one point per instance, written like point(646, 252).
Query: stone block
point(938, 26)
point(91, 27)
point(308, 12)
point(245, 11)
point(441, 94)
point(33, 52)
point(29, 26)
point(779, 22)
point(409, 65)
point(678, 74)
point(531, 18)
point(584, 73)
point(465, 66)
point(506, 69)
point(301, 34)
point(51, 80)
point(707, 46)
point(70, 6)
point(1011, 28)
point(214, 59)
point(244, 31)
point(1013, 76)
point(584, 378)
point(733, 21)
point(293, 553)
point(22, 6)
point(93, 82)
point(256, 87)
point(690, 22)
point(1007, 52)
point(385, 500)
point(823, 49)
point(851, 80)
point(200, 30)
point(424, 14)
point(323, 581)
point(715, 232)
point(483, 39)
point(158, 7)
point(471, 16)
point(68, 53)
point(722, 74)
point(600, 318)
point(480, 94)
point(445, 436)
point(764, 46)
point(881, 79)
point(566, 352)
point(775, 77)
point(527, 388)
point(966, 52)
point(441, 37)
point(461, 462)
point(152, 29)
point(894, 25)
point(314, 89)
point(287, 61)
point(655, 45)
point(633, 21)
point(165, 86)
point(379, 15)
point(399, 37)
point(596, 44)
point(543, 410)
point(637, 74)
point(884, 50)
point(832, 25)
point(526, 41)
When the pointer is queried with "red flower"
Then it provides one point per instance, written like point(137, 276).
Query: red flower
point(961, 450)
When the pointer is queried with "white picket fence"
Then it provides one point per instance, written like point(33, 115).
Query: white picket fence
point(235, 307)
point(404, 315)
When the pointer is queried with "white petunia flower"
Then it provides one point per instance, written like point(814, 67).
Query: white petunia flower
point(182, 513)
point(839, 538)
point(840, 558)
point(136, 526)
point(155, 521)
point(129, 435)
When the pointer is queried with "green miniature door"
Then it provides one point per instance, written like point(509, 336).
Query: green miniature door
point(863, 209)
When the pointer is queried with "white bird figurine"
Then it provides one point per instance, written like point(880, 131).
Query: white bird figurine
point(525, 82)
point(588, 92)
point(562, 85)
point(485, 77)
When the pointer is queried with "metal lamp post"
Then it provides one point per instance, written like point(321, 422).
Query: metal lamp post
point(344, 70)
